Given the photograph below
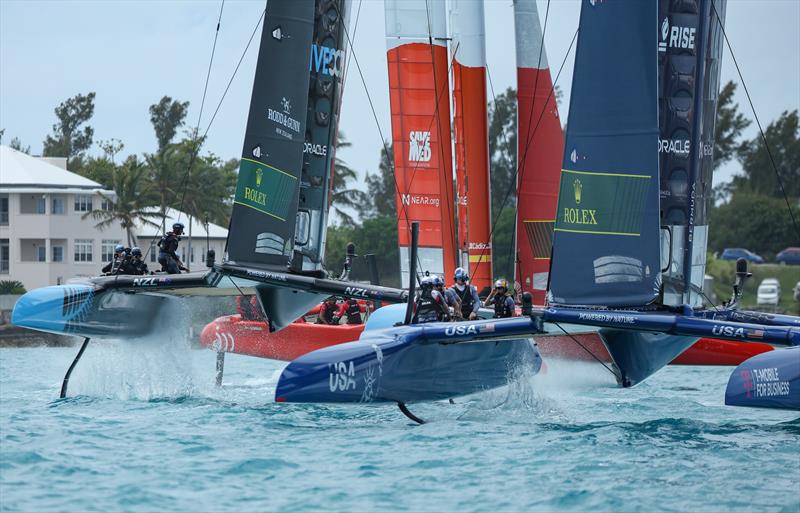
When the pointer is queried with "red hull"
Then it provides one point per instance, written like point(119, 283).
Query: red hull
point(253, 338)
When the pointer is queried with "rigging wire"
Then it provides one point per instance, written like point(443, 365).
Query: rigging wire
point(758, 122)
point(570, 335)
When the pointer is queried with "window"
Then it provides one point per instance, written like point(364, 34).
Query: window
point(58, 205)
point(107, 249)
point(4, 256)
point(83, 250)
point(153, 253)
point(83, 203)
point(3, 210)
point(41, 253)
point(58, 253)
point(41, 206)
point(105, 204)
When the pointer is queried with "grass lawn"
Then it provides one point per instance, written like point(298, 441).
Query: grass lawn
point(724, 272)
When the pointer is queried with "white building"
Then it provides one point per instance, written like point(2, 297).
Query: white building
point(44, 239)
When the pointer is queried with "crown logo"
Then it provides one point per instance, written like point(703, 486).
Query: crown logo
point(287, 106)
point(578, 187)
point(259, 175)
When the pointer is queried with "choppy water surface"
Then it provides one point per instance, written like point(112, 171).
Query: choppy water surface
point(145, 430)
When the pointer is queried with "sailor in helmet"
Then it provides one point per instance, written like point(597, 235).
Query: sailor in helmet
point(113, 267)
point(137, 262)
point(328, 312)
point(502, 301)
point(430, 305)
point(450, 299)
point(467, 294)
point(168, 246)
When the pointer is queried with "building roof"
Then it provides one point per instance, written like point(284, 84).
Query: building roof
point(198, 227)
point(19, 172)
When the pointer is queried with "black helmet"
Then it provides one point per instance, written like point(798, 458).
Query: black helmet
point(177, 227)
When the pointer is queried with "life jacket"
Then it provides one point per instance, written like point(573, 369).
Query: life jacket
point(168, 243)
point(427, 310)
point(326, 313)
point(466, 298)
point(501, 307)
point(353, 312)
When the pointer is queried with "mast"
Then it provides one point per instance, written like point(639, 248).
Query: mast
point(416, 42)
point(468, 49)
point(689, 62)
point(540, 147)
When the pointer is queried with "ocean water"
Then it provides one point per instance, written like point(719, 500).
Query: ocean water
point(144, 429)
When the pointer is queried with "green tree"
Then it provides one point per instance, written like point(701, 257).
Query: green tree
point(763, 222)
point(503, 149)
point(71, 135)
point(729, 125)
point(130, 201)
point(342, 195)
point(783, 137)
point(16, 144)
point(381, 188)
point(378, 236)
point(167, 116)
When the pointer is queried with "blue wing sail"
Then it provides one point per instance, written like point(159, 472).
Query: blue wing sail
point(606, 247)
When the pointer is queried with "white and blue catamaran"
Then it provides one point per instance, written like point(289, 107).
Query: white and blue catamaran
point(630, 235)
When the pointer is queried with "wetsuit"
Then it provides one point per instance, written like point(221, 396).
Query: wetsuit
point(167, 257)
point(120, 265)
point(470, 302)
point(139, 267)
point(430, 307)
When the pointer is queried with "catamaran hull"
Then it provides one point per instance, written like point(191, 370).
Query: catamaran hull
point(770, 380)
point(386, 367)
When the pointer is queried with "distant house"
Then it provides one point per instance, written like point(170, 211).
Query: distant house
point(43, 238)
point(45, 241)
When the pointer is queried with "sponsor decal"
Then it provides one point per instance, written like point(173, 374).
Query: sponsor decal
point(764, 383)
point(284, 119)
point(728, 331)
point(578, 188)
point(489, 328)
point(706, 150)
point(606, 318)
point(676, 37)
point(461, 330)
point(145, 282)
point(419, 146)
point(326, 60)
point(756, 333)
point(320, 150)
point(255, 195)
point(266, 275)
point(223, 342)
point(277, 33)
point(341, 376)
point(257, 152)
point(580, 216)
point(479, 246)
point(674, 146)
point(461, 200)
point(573, 156)
point(356, 291)
point(419, 199)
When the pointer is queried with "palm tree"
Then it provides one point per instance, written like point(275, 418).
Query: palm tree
point(130, 201)
point(341, 195)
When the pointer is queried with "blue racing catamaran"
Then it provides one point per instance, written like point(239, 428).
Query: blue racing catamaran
point(629, 244)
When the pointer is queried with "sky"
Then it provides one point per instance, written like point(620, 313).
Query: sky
point(131, 53)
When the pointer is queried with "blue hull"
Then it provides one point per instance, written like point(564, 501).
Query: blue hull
point(399, 365)
point(768, 380)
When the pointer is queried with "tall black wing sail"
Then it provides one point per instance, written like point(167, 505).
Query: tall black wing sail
point(689, 58)
point(262, 227)
point(326, 68)
point(606, 241)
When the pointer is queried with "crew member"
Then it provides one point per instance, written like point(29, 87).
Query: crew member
point(248, 309)
point(467, 294)
point(328, 312)
point(113, 266)
point(351, 310)
point(450, 299)
point(501, 300)
point(430, 305)
point(137, 264)
point(168, 245)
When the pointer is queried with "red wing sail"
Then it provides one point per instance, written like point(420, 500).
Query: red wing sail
point(418, 86)
point(540, 148)
point(471, 140)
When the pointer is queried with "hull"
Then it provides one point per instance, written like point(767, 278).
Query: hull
point(770, 380)
point(234, 335)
